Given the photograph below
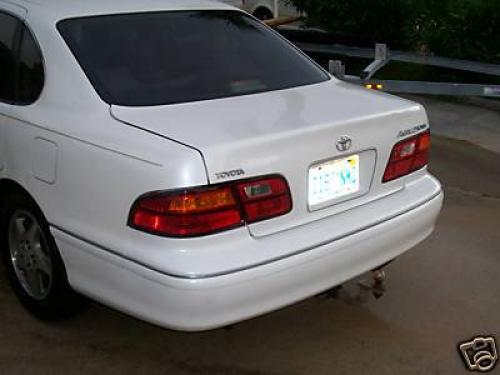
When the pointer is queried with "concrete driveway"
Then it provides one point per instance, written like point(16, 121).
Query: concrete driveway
point(444, 291)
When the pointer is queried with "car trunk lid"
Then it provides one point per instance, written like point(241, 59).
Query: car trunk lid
point(288, 132)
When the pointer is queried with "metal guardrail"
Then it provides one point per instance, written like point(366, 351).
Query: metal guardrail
point(430, 88)
point(367, 53)
point(383, 57)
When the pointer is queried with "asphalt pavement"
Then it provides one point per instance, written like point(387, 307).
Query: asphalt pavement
point(444, 291)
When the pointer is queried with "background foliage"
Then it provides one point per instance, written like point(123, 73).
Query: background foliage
point(468, 29)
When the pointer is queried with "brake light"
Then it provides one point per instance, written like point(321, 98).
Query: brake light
point(211, 209)
point(408, 156)
point(262, 199)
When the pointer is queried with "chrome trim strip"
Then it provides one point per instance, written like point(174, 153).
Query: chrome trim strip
point(209, 276)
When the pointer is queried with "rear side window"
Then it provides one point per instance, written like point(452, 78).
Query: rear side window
point(160, 58)
point(30, 70)
point(21, 63)
point(8, 28)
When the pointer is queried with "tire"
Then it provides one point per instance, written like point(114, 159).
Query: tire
point(33, 263)
point(263, 14)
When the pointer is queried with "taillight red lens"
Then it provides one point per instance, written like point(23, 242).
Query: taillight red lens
point(187, 213)
point(408, 156)
point(201, 211)
point(264, 198)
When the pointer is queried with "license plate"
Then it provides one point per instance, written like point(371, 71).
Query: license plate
point(333, 179)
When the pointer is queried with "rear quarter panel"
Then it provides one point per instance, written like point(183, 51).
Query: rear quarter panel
point(82, 167)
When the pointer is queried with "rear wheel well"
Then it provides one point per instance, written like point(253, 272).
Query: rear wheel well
point(60, 301)
point(9, 187)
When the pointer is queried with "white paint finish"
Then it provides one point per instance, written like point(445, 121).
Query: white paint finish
point(19, 12)
point(100, 173)
point(51, 11)
point(195, 305)
point(232, 250)
point(4, 110)
point(44, 160)
point(104, 164)
point(285, 132)
point(16, 9)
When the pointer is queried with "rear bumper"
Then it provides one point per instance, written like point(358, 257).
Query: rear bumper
point(206, 303)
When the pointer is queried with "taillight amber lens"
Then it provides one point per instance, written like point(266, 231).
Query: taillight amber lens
point(211, 209)
point(408, 156)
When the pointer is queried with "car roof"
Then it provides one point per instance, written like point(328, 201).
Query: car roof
point(55, 10)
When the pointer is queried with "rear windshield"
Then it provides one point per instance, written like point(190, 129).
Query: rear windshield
point(146, 59)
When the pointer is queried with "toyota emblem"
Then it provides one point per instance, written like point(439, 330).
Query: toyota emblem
point(344, 143)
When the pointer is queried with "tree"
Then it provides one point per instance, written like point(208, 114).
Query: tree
point(456, 28)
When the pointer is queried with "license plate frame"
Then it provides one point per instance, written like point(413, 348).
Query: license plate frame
point(333, 180)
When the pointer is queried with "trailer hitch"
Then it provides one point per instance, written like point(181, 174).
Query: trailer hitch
point(376, 285)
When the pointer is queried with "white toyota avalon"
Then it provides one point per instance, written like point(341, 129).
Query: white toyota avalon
point(181, 162)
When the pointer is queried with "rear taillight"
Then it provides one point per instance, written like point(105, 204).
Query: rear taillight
point(408, 156)
point(263, 199)
point(211, 209)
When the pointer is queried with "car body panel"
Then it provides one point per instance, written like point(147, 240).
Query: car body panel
point(52, 11)
point(4, 119)
point(14, 8)
point(230, 251)
point(201, 304)
point(285, 132)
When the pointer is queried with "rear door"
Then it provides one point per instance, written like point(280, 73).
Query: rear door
point(9, 26)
